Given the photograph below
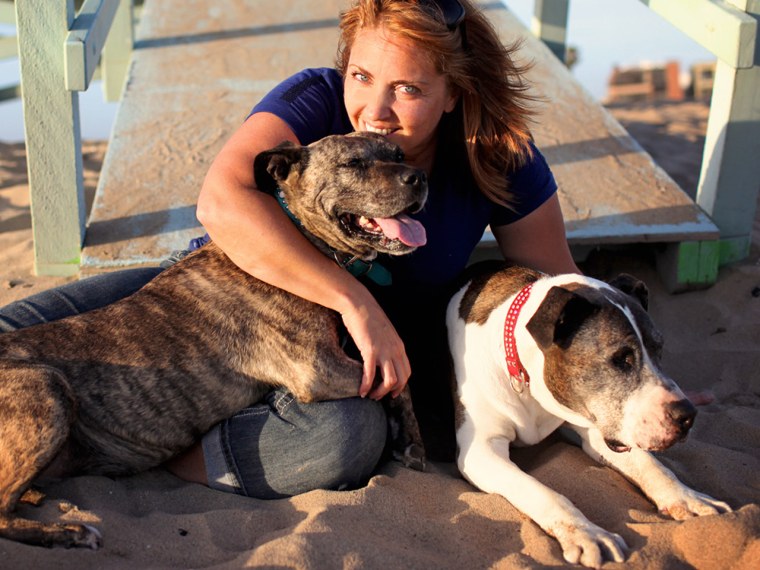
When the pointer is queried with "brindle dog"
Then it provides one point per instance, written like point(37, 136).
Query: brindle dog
point(124, 388)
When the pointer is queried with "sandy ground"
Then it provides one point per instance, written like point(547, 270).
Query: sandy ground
point(405, 519)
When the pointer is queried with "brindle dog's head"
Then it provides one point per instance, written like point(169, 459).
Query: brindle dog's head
point(352, 192)
point(602, 361)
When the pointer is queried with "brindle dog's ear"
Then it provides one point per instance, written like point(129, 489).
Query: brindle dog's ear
point(632, 286)
point(273, 166)
point(559, 317)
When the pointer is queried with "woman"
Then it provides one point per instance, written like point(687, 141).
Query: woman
point(431, 76)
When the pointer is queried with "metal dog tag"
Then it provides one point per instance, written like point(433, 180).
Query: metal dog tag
point(517, 383)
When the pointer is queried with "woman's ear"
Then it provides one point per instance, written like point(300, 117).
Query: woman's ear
point(453, 99)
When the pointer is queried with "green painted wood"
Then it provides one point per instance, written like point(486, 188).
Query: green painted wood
point(8, 46)
point(85, 40)
point(53, 142)
point(720, 27)
point(689, 265)
point(118, 51)
point(550, 25)
point(7, 12)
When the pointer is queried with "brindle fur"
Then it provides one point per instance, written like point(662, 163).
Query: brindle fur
point(124, 388)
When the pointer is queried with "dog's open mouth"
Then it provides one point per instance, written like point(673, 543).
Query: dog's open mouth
point(386, 232)
point(617, 446)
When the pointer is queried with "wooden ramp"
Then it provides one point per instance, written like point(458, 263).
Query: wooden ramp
point(198, 68)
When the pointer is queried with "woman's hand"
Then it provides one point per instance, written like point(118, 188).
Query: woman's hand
point(257, 236)
point(380, 347)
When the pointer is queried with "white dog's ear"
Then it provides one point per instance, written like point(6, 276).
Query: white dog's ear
point(273, 166)
point(559, 317)
point(632, 286)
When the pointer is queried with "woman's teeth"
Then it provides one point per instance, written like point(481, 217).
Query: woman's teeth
point(383, 132)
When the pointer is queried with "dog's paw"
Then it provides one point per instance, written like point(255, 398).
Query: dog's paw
point(91, 538)
point(412, 458)
point(690, 503)
point(70, 535)
point(587, 544)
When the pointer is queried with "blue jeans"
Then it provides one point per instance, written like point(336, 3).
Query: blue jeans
point(276, 448)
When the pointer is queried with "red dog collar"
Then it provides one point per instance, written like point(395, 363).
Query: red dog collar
point(518, 376)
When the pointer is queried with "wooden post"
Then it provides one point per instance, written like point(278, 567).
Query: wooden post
point(117, 52)
point(550, 25)
point(730, 178)
point(52, 133)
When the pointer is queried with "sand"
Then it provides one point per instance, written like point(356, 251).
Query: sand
point(405, 519)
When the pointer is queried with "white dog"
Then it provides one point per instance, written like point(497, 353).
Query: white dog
point(533, 352)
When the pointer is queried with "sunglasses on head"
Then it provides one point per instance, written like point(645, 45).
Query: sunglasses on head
point(453, 12)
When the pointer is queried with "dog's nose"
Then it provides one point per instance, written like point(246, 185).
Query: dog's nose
point(414, 178)
point(682, 413)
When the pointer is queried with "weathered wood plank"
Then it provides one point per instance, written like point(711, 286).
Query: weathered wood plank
point(718, 26)
point(197, 70)
point(51, 126)
point(611, 190)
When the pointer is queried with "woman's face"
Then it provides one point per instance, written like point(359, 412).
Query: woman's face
point(392, 90)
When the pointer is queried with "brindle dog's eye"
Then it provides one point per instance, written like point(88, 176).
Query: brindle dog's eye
point(355, 163)
point(624, 359)
point(399, 157)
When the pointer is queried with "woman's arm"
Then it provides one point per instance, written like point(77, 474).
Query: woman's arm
point(251, 228)
point(538, 240)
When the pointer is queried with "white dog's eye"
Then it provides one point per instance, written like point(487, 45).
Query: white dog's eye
point(624, 359)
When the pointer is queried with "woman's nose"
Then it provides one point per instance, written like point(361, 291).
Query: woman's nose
point(379, 104)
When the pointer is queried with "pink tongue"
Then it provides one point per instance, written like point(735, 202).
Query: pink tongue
point(403, 228)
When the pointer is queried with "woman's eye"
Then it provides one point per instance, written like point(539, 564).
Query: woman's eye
point(409, 89)
point(359, 76)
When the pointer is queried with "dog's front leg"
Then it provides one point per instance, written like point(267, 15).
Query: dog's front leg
point(486, 464)
point(656, 481)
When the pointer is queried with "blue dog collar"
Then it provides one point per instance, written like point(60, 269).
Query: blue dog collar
point(355, 266)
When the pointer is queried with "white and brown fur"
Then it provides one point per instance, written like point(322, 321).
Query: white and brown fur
point(593, 359)
point(124, 388)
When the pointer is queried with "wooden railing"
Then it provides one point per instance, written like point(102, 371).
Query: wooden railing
point(59, 50)
point(730, 176)
point(46, 29)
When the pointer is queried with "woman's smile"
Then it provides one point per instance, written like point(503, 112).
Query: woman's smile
point(392, 91)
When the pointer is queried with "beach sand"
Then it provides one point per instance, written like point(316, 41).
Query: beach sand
point(405, 519)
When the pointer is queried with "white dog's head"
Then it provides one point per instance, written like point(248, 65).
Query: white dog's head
point(602, 360)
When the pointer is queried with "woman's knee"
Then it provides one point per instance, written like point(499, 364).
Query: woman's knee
point(358, 435)
point(282, 447)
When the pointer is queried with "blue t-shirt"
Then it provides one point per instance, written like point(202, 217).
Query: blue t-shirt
point(456, 213)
